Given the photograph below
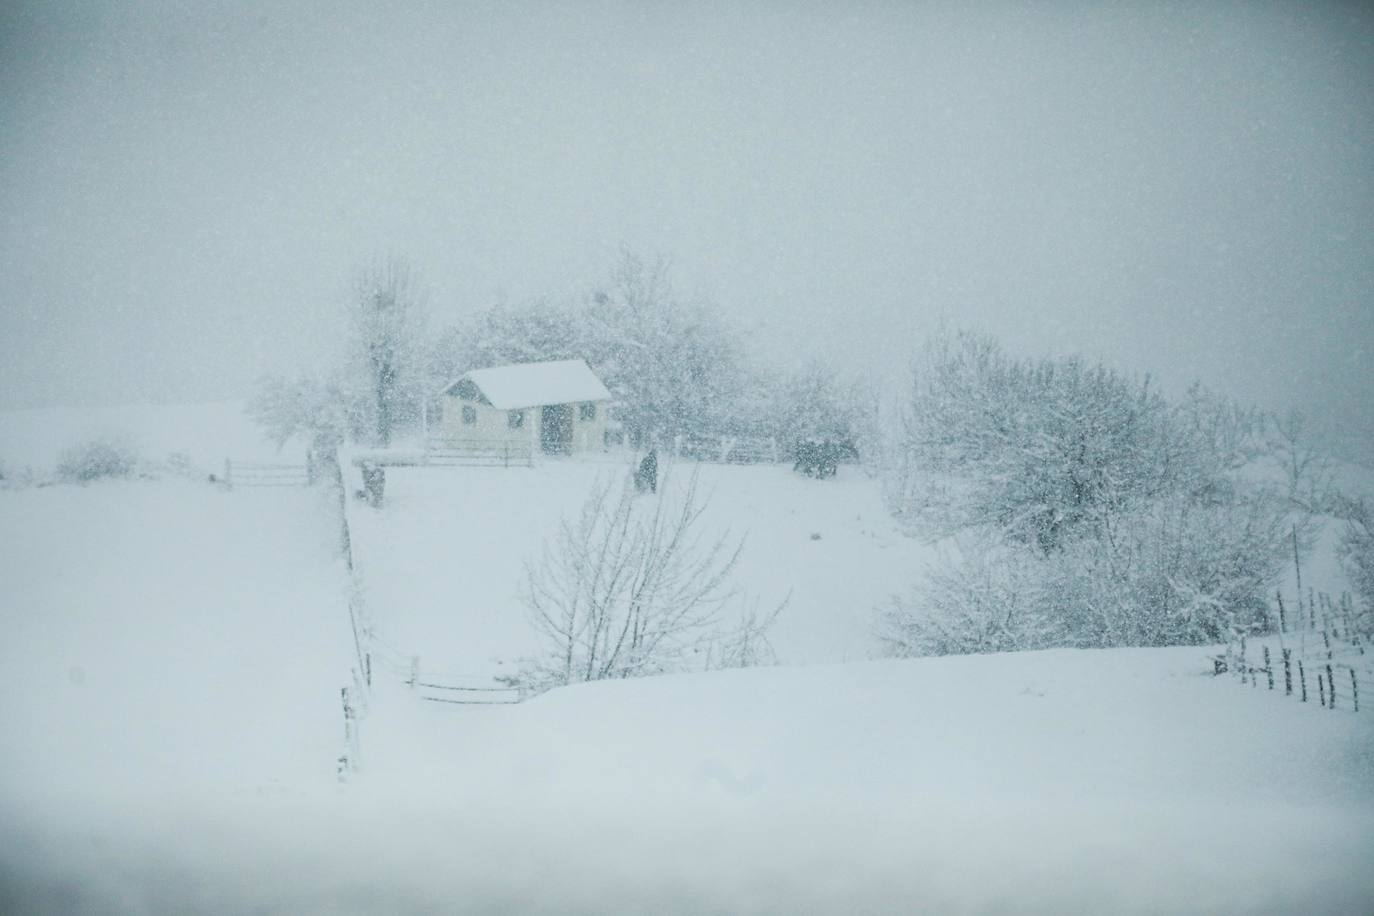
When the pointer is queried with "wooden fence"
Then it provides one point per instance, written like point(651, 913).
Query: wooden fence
point(1320, 654)
point(728, 449)
point(261, 474)
point(470, 453)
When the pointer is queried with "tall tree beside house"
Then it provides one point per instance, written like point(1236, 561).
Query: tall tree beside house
point(503, 335)
point(386, 360)
point(375, 383)
point(673, 364)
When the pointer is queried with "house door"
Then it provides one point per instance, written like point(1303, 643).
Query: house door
point(555, 429)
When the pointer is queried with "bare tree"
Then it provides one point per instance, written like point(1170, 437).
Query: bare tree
point(1307, 468)
point(633, 586)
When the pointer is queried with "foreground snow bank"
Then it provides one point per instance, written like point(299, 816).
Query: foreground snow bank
point(168, 635)
point(1124, 781)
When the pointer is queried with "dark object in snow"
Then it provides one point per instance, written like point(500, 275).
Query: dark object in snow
point(817, 458)
point(815, 535)
point(646, 477)
point(374, 483)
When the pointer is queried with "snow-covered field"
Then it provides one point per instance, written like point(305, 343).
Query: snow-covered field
point(207, 434)
point(442, 563)
point(170, 718)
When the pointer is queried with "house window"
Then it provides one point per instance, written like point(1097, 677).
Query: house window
point(586, 411)
point(516, 419)
point(469, 416)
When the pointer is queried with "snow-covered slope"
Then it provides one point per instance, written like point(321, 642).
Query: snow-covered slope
point(442, 562)
point(170, 718)
point(1123, 781)
point(168, 636)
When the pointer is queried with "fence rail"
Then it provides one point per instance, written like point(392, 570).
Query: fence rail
point(467, 453)
point(265, 474)
point(728, 449)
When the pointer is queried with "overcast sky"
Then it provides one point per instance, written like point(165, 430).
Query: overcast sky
point(186, 189)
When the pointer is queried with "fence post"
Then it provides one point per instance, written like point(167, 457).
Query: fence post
point(1302, 679)
point(1268, 668)
point(1283, 616)
point(349, 760)
point(1331, 683)
point(1287, 673)
point(1354, 690)
point(1321, 686)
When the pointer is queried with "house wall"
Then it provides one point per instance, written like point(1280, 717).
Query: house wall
point(493, 426)
point(590, 435)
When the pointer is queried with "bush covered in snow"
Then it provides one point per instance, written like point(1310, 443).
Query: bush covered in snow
point(95, 459)
point(1093, 510)
point(1357, 555)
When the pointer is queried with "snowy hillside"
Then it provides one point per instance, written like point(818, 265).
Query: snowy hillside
point(169, 635)
point(442, 563)
point(169, 693)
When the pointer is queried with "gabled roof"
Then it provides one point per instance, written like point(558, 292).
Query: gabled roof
point(536, 384)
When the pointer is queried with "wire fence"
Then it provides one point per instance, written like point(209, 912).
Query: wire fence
point(438, 686)
point(1320, 654)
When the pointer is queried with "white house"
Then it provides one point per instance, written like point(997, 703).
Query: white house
point(559, 407)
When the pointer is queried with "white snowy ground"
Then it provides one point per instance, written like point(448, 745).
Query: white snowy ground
point(169, 720)
point(442, 562)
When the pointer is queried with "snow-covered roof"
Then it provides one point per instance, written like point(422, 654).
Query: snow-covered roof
point(535, 384)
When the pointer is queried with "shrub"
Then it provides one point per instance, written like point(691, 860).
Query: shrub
point(1095, 512)
point(1357, 555)
point(96, 459)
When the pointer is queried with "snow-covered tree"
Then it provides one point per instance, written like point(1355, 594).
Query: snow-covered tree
point(814, 402)
point(1357, 554)
point(385, 373)
point(673, 366)
point(314, 407)
point(500, 335)
point(1096, 511)
point(988, 599)
point(373, 386)
point(1040, 450)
